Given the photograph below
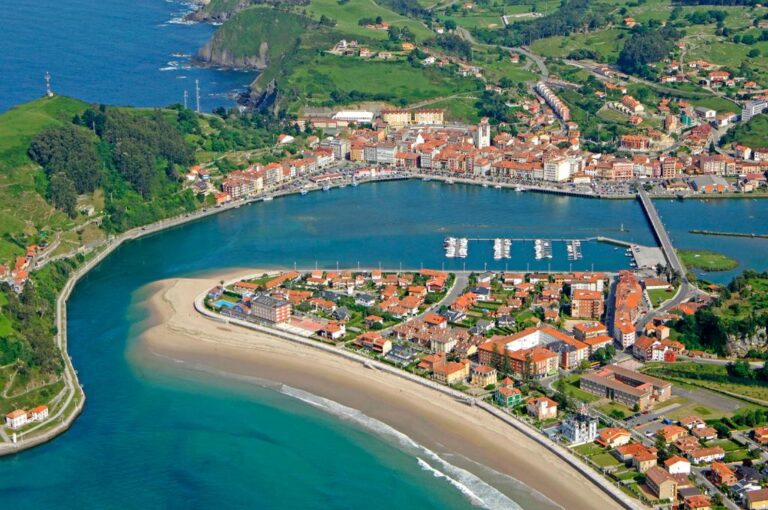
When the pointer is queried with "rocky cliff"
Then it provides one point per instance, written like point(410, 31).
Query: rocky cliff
point(740, 345)
point(216, 55)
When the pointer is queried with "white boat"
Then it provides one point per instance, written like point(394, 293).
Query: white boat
point(354, 184)
point(519, 189)
point(326, 187)
point(304, 192)
point(449, 181)
point(267, 199)
point(498, 186)
point(426, 179)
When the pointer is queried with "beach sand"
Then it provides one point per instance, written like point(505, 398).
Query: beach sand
point(429, 417)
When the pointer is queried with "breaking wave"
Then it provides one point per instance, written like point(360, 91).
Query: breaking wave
point(478, 492)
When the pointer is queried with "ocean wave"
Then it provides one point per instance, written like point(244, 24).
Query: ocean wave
point(457, 484)
point(478, 492)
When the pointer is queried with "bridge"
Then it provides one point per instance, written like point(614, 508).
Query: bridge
point(686, 291)
point(660, 232)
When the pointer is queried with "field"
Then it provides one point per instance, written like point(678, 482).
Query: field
point(606, 43)
point(317, 78)
point(348, 14)
point(461, 109)
point(658, 296)
point(707, 260)
point(752, 134)
point(713, 377)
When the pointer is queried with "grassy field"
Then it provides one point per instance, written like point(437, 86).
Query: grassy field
point(573, 390)
point(348, 14)
point(459, 109)
point(753, 134)
point(323, 74)
point(707, 260)
point(606, 43)
point(658, 296)
point(713, 377)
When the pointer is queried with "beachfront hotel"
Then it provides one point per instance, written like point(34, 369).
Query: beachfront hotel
point(627, 387)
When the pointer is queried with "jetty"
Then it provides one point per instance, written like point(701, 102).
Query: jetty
point(727, 234)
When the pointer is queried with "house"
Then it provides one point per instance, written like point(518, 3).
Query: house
point(483, 375)
point(542, 408)
point(721, 474)
point(611, 437)
point(661, 483)
point(508, 397)
point(697, 502)
point(372, 320)
point(451, 372)
point(704, 433)
point(706, 455)
point(757, 500)
point(760, 435)
point(16, 419)
point(374, 342)
point(579, 428)
point(39, 413)
point(671, 433)
point(333, 330)
point(692, 422)
point(365, 300)
point(677, 465)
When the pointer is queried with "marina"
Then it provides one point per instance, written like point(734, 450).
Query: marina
point(544, 249)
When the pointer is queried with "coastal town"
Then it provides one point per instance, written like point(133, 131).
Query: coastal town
point(564, 354)
point(362, 145)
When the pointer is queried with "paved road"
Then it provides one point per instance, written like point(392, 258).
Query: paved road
point(543, 71)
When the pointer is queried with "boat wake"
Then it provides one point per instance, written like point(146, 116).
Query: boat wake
point(478, 492)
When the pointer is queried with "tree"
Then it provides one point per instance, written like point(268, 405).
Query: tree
point(70, 151)
point(450, 25)
point(62, 194)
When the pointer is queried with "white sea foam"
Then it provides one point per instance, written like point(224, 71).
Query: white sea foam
point(473, 488)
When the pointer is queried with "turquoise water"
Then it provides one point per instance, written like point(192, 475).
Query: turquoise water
point(112, 51)
point(726, 215)
point(158, 437)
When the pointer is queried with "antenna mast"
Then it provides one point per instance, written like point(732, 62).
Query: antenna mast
point(48, 91)
point(197, 94)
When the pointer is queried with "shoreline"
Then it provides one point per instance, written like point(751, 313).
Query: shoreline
point(180, 332)
point(71, 379)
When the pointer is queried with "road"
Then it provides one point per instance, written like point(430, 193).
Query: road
point(537, 60)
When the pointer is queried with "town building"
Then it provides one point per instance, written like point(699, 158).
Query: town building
point(661, 483)
point(627, 387)
point(270, 309)
point(579, 428)
point(541, 408)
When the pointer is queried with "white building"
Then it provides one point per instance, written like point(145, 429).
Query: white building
point(678, 466)
point(580, 428)
point(483, 134)
point(558, 169)
point(359, 116)
point(16, 419)
point(752, 108)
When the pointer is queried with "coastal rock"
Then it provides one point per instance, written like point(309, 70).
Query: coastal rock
point(208, 13)
point(740, 345)
point(265, 98)
point(213, 55)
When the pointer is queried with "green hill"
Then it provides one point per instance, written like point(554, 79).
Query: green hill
point(23, 210)
point(253, 38)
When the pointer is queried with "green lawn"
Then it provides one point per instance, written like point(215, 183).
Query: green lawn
point(707, 260)
point(459, 109)
point(348, 14)
point(714, 377)
point(658, 296)
point(572, 389)
point(605, 460)
point(323, 74)
point(607, 43)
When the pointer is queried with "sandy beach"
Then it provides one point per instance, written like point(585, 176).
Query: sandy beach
point(429, 417)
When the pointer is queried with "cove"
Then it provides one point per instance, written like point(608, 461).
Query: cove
point(152, 438)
